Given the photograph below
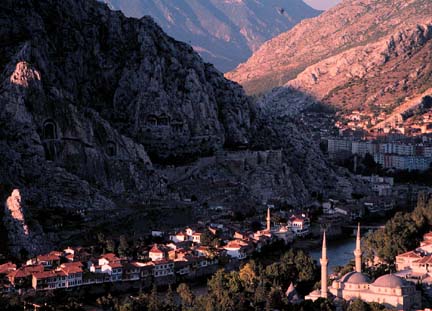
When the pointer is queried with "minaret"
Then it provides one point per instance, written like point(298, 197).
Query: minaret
point(268, 219)
point(358, 252)
point(324, 264)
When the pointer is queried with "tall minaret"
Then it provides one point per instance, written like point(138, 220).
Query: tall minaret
point(358, 252)
point(268, 219)
point(324, 264)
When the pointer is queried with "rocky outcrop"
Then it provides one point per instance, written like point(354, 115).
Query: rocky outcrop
point(354, 25)
point(96, 111)
point(373, 75)
point(24, 239)
point(86, 93)
point(225, 33)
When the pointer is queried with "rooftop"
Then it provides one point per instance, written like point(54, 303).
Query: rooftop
point(390, 281)
point(355, 278)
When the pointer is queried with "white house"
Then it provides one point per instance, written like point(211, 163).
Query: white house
point(236, 250)
point(299, 225)
point(156, 253)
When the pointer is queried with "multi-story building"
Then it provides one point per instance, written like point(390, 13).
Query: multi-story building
point(73, 272)
point(163, 268)
point(364, 147)
point(109, 264)
point(401, 162)
point(337, 147)
point(52, 279)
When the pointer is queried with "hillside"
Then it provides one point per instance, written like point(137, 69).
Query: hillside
point(340, 46)
point(106, 118)
point(225, 33)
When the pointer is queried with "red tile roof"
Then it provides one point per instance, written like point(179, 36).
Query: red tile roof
point(155, 249)
point(115, 265)
point(111, 257)
point(26, 271)
point(72, 267)
point(48, 274)
point(410, 254)
point(163, 261)
point(424, 260)
point(7, 267)
point(52, 256)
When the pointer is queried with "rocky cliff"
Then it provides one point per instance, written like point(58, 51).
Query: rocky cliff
point(354, 39)
point(96, 111)
point(383, 74)
point(225, 33)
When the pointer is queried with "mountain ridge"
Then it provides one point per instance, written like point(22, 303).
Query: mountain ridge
point(106, 118)
point(349, 24)
point(224, 32)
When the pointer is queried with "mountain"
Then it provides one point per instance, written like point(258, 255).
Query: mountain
point(359, 47)
point(224, 32)
point(106, 120)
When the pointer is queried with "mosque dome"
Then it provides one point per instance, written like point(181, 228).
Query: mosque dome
point(355, 278)
point(390, 281)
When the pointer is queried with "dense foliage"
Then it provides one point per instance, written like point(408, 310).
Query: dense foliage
point(401, 233)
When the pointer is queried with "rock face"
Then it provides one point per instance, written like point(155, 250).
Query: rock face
point(225, 33)
point(86, 92)
point(16, 225)
point(347, 42)
point(97, 112)
point(384, 73)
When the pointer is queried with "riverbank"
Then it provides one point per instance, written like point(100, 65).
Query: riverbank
point(339, 248)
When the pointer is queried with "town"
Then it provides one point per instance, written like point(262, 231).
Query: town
point(184, 255)
point(397, 155)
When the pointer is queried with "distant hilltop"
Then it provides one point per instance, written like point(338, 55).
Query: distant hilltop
point(224, 33)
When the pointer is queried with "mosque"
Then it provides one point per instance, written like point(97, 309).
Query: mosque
point(388, 290)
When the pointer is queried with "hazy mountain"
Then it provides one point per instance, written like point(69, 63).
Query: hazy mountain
point(224, 32)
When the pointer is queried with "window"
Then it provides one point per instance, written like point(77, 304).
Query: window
point(152, 120)
point(49, 130)
point(111, 149)
point(163, 120)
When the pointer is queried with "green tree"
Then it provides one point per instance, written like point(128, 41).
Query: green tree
point(101, 237)
point(358, 305)
point(153, 300)
point(11, 303)
point(186, 296)
point(105, 302)
point(209, 239)
point(123, 249)
point(110, 246)
point(169, 300)
point(274, 299)
point(127, 306)
point(248, 276)
point(323, 305)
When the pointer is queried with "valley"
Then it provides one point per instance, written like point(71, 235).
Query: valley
point(133, 171)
